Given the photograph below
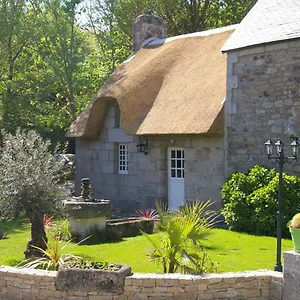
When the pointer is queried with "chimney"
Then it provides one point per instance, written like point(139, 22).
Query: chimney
point(145, 27)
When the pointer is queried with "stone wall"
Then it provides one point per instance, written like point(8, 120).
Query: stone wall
point(291, 289)
point(263, 87)
point(147, 178)
point(22, 284)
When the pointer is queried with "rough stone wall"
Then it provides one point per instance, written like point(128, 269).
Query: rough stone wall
point(22, 284)
point(147, 178)
point(263, 87)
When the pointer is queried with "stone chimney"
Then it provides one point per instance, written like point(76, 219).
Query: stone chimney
point(145, 27)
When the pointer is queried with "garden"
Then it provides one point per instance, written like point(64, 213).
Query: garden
point(186, 241)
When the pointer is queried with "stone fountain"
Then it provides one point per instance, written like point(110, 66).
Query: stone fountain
point(87, 216)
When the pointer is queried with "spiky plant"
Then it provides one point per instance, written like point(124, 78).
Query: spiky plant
point(54, 257)
point(181, 234)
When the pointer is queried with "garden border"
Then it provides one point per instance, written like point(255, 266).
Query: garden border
point(25, 284)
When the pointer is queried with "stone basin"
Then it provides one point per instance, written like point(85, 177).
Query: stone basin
point(92, 280)
point(88, 219)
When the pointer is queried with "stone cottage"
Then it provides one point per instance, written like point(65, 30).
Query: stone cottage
point(200, 106)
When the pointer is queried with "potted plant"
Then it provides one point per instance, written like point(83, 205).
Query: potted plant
point(294, 226)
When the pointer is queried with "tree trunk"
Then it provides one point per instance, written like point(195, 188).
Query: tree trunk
point(38, 237)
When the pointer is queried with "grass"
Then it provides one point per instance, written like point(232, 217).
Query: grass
point(231, 250)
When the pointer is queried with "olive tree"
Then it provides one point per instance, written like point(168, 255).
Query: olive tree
point(28, 183)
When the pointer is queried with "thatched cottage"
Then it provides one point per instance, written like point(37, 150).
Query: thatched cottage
point(198, 107)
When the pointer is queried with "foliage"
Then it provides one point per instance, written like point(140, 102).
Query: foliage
point(28, 181)
point(53, 257)
point(295, 222)
point(181, 235)
point(60, 229)
point(150, 214)
point(250, 200)
point(85, 264)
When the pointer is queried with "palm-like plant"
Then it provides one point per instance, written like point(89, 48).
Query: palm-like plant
point(54, 257)
point(181, 234)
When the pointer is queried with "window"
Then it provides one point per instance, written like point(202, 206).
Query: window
point(177, 163)
point(123, 159)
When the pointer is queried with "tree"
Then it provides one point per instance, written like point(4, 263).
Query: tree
point(62, 47)
point(28, 183)
point(16, 36)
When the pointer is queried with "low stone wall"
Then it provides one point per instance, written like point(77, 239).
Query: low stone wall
point(23, 284)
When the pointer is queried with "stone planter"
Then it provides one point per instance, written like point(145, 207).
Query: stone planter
point(88, 219)
point(92, 280)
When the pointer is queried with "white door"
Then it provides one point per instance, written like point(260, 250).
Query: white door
point(175, 178)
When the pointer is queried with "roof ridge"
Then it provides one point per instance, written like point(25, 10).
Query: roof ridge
point(159, 41)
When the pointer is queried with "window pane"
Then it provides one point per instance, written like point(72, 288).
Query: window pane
point(172, 163)
point(178, 163)
point(178, 153)
point(178, 173)
point(173, 153)
point(173, 173)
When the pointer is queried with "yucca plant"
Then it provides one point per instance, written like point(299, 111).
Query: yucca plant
point(54, 257)
point(181, 234)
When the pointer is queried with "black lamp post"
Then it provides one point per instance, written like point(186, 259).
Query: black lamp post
point(280, 160)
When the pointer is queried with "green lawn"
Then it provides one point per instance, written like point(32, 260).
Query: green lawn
point(232, 251)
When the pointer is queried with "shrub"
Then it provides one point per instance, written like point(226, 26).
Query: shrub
point(250, 201)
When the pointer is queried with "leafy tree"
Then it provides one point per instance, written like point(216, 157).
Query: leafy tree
point(62, 47)
point(16, 36)
point(28, 183)
point(181, 234)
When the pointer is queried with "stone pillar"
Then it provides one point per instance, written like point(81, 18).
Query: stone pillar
point(291, 275)
point(145, 27)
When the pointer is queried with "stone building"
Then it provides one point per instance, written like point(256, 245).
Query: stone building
point(203, 104)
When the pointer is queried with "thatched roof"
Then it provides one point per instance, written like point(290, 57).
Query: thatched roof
point(172, 86)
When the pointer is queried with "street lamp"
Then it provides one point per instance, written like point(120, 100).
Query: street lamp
point(280, 160)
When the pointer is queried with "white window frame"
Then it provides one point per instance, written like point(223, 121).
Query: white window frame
point(123, 158)
point(175, 167)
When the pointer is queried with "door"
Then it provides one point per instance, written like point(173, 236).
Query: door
point(175, 178)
